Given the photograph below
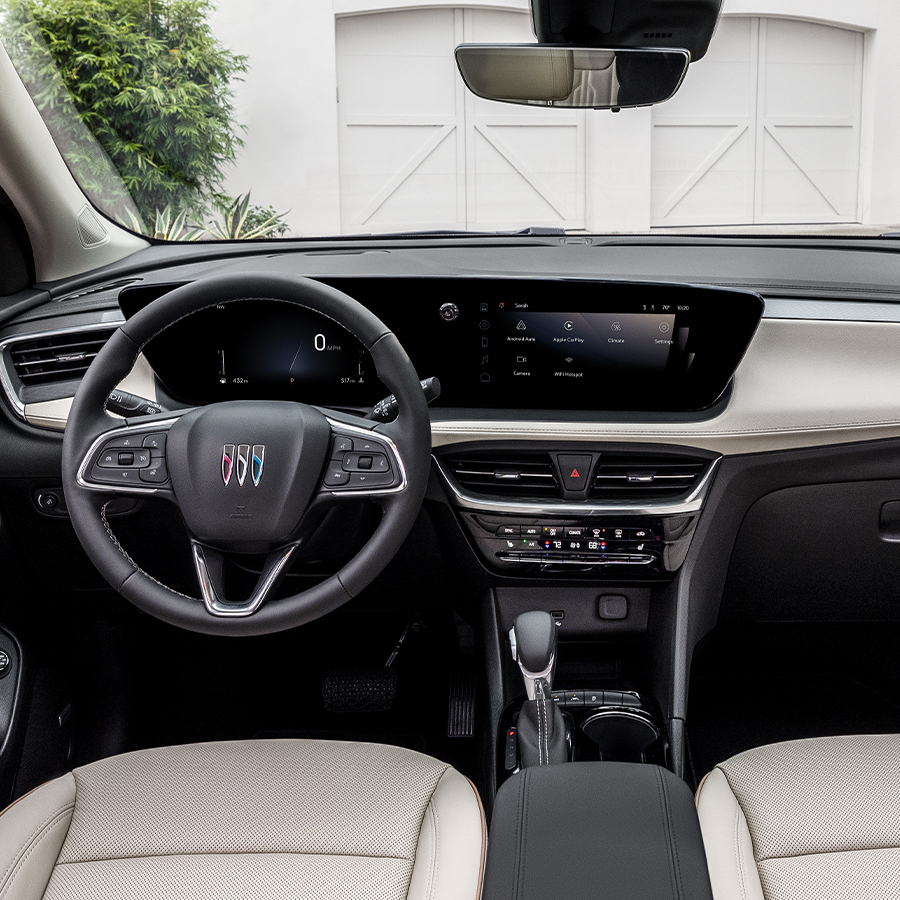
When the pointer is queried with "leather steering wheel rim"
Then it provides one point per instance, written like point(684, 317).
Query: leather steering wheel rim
point(88, 418)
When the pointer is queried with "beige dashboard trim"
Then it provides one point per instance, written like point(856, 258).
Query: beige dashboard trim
point(53, 414)
point(802, 383)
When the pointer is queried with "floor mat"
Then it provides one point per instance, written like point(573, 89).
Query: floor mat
point(758, 684)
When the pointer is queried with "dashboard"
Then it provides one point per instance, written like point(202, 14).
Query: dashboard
point(708, 477)
point(515, 343)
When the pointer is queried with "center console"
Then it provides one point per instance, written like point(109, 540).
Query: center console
point(585, 830)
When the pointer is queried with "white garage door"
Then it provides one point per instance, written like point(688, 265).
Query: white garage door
point(765, 130)
point(418, 151)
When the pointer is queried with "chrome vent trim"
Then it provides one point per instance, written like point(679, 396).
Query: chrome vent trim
point(520, 475)
point(9, 380)
point(59, 357)
point(691, 502)
point(621, 476)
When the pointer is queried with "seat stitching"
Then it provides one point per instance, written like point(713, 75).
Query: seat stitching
point(671, 832)
point(521, 809)
point(125, 553)
point(11, 873)
point(480, 884)
point(829, 853)
point(522, 836)
point(739, 851)
point(435, 824)
point(673, 885)
point(106, 859)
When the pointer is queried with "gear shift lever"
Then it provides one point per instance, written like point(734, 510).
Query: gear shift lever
point(541, 729)
point(533, 642)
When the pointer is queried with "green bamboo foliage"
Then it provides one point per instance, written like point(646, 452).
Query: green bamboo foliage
point(138, 96)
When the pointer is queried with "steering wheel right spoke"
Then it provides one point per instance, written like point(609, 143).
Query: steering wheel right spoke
point(363, 463)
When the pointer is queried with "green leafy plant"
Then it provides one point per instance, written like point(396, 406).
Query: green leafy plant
point(241, 221)
point(150, 82)
point(169, 226)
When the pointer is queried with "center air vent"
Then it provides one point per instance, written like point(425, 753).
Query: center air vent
point(59, 357)
point(510, 475)
point(651, 476)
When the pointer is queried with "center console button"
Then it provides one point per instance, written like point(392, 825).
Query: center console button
point(508, 531)
point(558, 697)
point(532, 530)
point(574, 698)
point(593, 698)
point(575, 532)
point(553, 531)
point(575, 471)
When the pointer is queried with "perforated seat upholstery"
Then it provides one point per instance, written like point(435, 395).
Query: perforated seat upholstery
point(805, 820)
point(253, 819)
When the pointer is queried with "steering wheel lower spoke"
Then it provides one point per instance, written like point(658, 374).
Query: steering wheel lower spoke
point(210, 564)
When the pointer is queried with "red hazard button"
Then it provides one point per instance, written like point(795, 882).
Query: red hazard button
point(575, 471)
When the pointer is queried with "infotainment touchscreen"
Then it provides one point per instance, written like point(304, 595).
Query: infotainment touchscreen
point(569, 344)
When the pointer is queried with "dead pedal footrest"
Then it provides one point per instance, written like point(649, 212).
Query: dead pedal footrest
point(359, 690)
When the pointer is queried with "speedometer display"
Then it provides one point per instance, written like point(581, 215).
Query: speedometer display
point(264, 349)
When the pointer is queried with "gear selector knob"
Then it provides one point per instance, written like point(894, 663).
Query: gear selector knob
point(533, 641)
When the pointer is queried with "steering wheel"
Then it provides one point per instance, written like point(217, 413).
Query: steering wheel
point(247, 476)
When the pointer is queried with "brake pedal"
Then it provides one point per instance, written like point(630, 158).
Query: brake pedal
point(359, 690)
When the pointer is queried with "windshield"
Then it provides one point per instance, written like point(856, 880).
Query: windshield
point(187, 120)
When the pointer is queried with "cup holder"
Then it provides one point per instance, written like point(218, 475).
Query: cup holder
point(623, 735)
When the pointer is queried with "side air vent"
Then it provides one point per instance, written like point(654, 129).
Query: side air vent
point(654, 476)
point(509, 475)
point(59, 357)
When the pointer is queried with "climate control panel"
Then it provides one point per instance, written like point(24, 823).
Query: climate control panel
point(556, 545)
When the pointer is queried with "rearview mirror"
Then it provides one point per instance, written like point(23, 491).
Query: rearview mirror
point(571, 77)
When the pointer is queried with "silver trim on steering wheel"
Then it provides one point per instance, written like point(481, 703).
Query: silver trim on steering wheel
point(269, 578)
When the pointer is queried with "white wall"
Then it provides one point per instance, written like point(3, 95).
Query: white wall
point(287, 103)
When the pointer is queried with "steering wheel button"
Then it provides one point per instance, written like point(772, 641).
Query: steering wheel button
point(341, 446)
point(126, 458)
point(156, 473)
point(366, 446)
point(156, 443)
point(336, 476)
point(114, 476)
point(370, 480)
point(365, 462)
point(380, 463)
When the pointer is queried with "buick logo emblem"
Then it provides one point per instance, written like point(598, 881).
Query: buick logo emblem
point(245, 459)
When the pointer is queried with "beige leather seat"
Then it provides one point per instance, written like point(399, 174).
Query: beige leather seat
point(253, 819)
point(805, 820)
